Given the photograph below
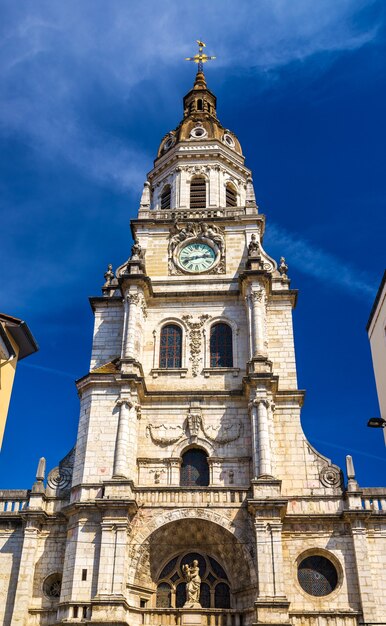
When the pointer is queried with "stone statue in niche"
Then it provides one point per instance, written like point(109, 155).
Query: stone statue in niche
point(193, 583)
point(136, 251)
point(254, 248)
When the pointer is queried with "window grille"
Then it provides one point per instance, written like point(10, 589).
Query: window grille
point(221, 349)
point(166, 197)
point(194, 469)
point(317, 576)
point(198, 193)
point(164, 596)
point(230, 196)
point(170, 346)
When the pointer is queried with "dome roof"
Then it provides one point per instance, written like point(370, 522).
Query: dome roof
point(200, 123)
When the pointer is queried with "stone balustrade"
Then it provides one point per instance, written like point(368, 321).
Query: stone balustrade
point(340, 618)
point(13, 500)
point(196, 496)
point(374, 499)
point(175, 617)
point(183, 214)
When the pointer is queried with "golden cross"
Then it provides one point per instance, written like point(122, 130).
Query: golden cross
point(201, 57)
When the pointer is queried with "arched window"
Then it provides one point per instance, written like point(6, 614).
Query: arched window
point(166, 197)
point(221, 349)
point(198, 193)
point(194, 468)
point(164, 596)
point(199, 104)
point(222, 598)
point(230, 195)
point(170, 346)
point(214, 590)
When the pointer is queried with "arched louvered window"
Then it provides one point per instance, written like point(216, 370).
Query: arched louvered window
point(166, 197)
point(194, 468)
point(164, 596)
point(230, 195)
point(221, 349)
point(170, 346)
point(222, 597)
point(198, 193)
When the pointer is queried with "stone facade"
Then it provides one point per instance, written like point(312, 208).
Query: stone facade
point(278, 538)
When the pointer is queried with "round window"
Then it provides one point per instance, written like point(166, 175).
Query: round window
point(317, 575)
point(229, 140)
point(52, 585)
point(198, 132)
point(169, 143)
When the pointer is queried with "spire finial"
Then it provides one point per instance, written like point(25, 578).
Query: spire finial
point(201, 57)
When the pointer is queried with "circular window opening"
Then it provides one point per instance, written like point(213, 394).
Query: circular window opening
point(229, 140)
point(198, 132)
point(317, 575)
point(52, 586)
point(168, 143)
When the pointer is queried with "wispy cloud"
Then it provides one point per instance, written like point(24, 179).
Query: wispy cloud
point(49, 370)
point(53, 53)
point(318, 263)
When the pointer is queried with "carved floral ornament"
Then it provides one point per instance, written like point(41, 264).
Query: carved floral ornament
point(192, 427)
point(130, 403)
point(195, 339)
point(190, 232)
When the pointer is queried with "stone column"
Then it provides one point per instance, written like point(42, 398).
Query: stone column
point(23, 595)
point(131, 307)
point(264, 559)
point(257, 299)
point(122, 441)
point(106, 558)
point(126, 442)
point(277, 558)
point(264, 444)
point(364, 571)
point(174, 472)
point(119, 569)
point(255, 443)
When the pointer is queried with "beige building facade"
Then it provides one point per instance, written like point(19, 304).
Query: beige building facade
point(192, 496)
point(376, 329)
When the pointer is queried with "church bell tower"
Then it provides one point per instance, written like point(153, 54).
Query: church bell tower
point(192, 497)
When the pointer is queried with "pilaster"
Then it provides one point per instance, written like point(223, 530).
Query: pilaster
point(23, 595)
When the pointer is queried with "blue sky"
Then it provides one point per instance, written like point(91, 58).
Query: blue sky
point(88, 89)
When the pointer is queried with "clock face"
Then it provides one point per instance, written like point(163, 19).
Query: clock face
point(197, 257)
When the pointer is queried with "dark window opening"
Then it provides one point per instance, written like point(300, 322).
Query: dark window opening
point(166, 197)
point(84, 612)
point(84, 574)
point(199, 105)
point(164, 596)
point(170, 346)
point(222, 598)
point(75, 611)
point(180, 595)
point(317, 576)
point(194, 468)
point(230, 196)
point(142, 603)
point(198, 193)
point(221, 349)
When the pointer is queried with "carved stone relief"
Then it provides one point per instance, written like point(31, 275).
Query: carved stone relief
point(163, 435)
point(191, 232)
point(195, 339)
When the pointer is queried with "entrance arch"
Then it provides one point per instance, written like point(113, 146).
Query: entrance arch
point(166, 536)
